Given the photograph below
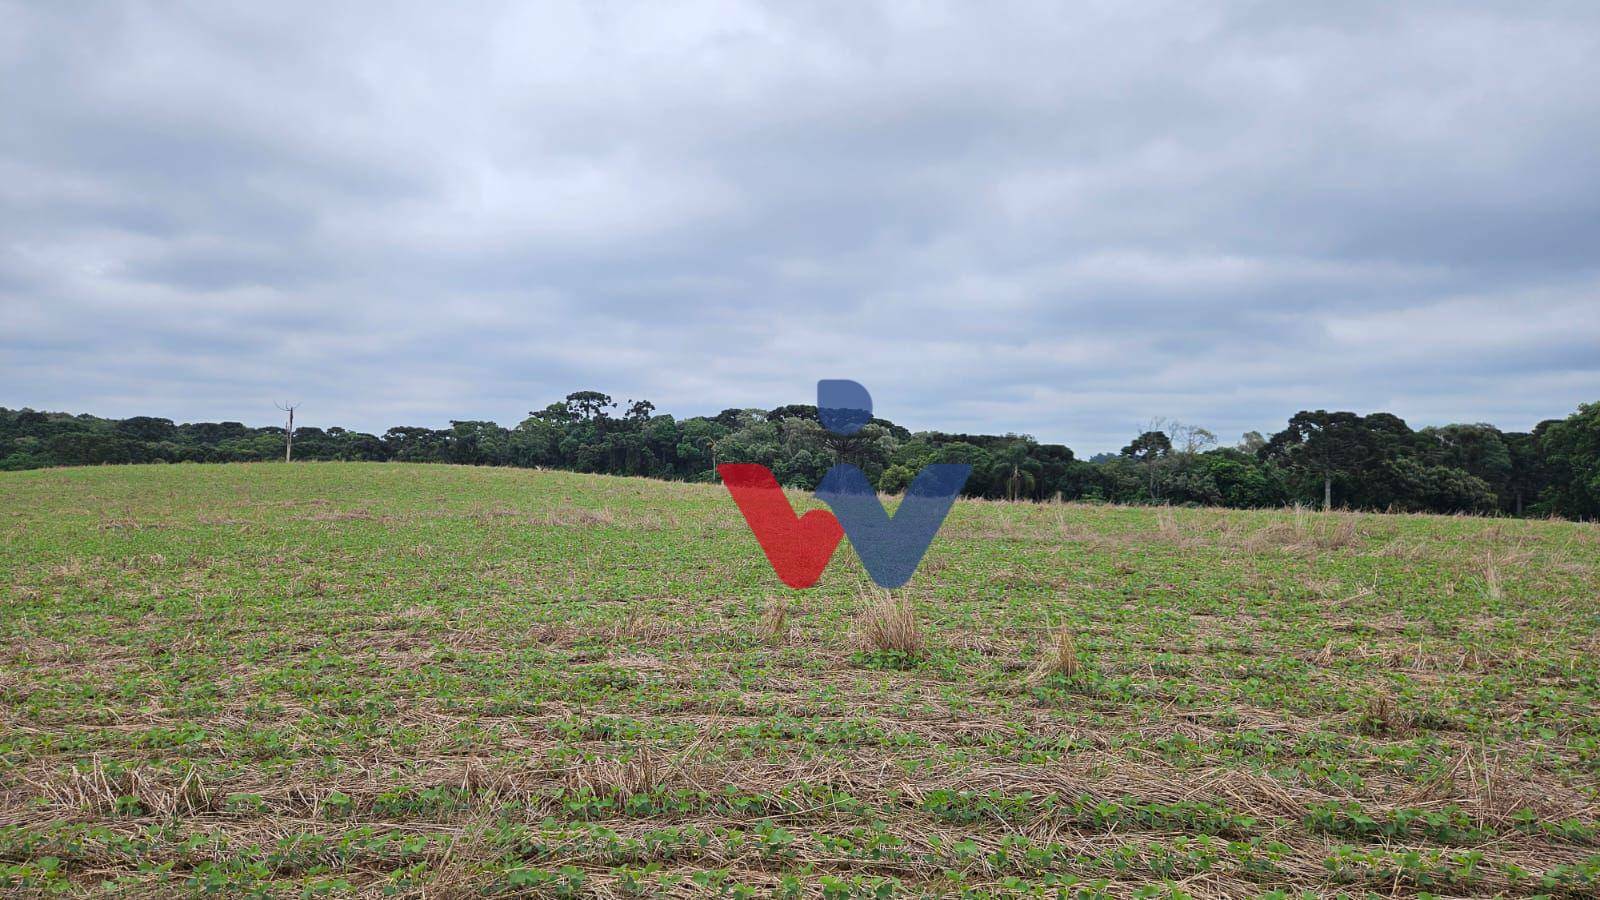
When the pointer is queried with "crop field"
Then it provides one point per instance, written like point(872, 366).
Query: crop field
point(342, 679)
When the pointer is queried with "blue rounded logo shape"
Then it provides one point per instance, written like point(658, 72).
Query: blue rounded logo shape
point(843, 406)
point(891, 547)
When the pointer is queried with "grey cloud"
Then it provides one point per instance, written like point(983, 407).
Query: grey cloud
point(1006, 218)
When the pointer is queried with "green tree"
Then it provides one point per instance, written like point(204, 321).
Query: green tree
point(1321, 445)
point(1479, 450)
point(697, 447)
point(1148, 446)
point(1571, 451)
point(477, 443)
point(1528, 475)
point(1423, 487)
point(1240, 479)
point(589, 406)
point(1151, 451)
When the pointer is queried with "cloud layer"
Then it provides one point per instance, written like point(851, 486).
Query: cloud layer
point(998, 217)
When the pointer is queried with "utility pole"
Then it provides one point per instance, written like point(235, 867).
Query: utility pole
point(288, 434)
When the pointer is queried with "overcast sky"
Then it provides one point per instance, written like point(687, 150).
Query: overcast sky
point(1054, 219)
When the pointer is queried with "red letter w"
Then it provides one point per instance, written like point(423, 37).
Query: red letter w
point(797, 546)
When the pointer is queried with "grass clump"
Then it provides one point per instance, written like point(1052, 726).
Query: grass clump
point(1060, 657)
point(888, 624)
point(773, 630)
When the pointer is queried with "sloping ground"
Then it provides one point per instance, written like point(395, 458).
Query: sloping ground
point(438, 681)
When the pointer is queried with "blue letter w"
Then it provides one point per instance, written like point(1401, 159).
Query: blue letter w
point(892, 548)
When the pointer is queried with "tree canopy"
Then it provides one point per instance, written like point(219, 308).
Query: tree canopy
point(1324, 457)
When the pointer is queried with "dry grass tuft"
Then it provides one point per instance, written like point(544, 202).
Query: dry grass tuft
point(637, 628)
point(889, 623)
point(1491, 579)
point(1060, 657)
point(1342, 534)
point(1301, 518)
point(774, 627)
point(1325, 658)
point(638, 772)
point(1307, 531)
point(99, 789)
point(576, 515)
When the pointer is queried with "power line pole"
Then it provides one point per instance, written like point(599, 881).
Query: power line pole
point(288, 434)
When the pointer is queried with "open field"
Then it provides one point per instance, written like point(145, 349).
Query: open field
point(436, 681)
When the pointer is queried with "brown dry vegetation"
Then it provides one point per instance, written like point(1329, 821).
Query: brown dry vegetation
point(441, 682)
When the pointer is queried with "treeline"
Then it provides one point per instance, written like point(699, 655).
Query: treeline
point(1332, 458)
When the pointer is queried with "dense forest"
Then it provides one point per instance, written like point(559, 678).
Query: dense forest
point(1339, 459)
